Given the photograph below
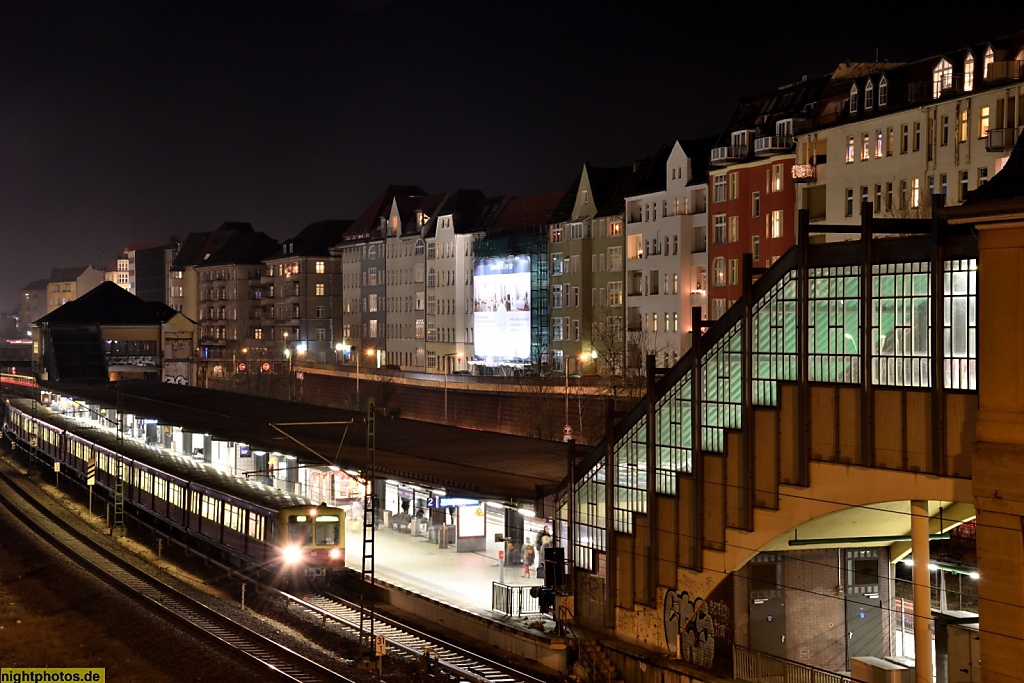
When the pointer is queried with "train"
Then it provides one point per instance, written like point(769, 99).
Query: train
point(245, 524)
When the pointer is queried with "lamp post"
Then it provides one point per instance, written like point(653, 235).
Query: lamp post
point(445, 360)
point(583, 357)
point(347, 348)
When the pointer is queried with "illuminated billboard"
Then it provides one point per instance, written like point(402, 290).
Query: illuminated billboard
point(501, 309)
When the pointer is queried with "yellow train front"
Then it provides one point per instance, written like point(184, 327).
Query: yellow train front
point(312, 539)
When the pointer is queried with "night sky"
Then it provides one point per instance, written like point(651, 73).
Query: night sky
point(128, 122)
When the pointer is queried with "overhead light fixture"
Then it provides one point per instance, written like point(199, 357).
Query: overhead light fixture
point(527, 512)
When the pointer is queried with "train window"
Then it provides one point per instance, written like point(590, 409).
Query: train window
point(211, 508)
point(328, 528)
point(174, 494)
point(195, 502)
point(255, 525)
point(146, 481)
point(231, 517)
point(160, 488)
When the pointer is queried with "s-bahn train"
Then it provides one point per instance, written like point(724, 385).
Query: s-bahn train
point(245, 524)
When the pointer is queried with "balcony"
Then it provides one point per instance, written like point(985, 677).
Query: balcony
point(773, 144)
point(721, 156)
point(804, 173)
point(1005, 71)
point(1000, 139)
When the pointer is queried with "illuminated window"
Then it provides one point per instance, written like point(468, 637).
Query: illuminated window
point(942, 77)
point(734, 228)
point(718, 272)
point(849, 149)
point(319, 267)
point(989, 58)
point(983, 121)
point(879, 145)
point(853, 99)
point(734, 185)
point(777, 177)
point(963, 127)
point(775, 224)
point(319, 289)
point(865, 147)
point(969, 72)
point(915, 193)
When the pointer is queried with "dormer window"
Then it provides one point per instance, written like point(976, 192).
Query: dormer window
point(883, 92)
point(969, 72)
point(869, 95)
point(942, 78)
point(853, 99)
point(990, 57)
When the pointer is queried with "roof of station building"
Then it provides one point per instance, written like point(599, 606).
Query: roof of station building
point(467, 462)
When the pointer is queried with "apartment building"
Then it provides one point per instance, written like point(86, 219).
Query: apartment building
point(513, 258)
point(301, 294)
point(666, 254)
point(899, 133)
point(364, 266)
point(753, 193)
point(405, 279)
point(67, 284)
point(227, 281)
point(588, 240)
point(461, 220)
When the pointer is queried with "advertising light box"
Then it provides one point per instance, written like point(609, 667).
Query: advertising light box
point(501, 308)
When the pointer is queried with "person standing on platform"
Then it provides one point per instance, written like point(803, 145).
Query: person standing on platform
point(529, 555)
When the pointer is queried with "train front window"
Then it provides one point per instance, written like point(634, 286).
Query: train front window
point(300, 530)
point(328, 528)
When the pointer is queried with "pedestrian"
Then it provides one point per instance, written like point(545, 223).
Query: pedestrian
point(529, 555)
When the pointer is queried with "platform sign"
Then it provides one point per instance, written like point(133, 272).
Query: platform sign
point(381, 646)
point(567, 433)
point(90, 472)
point(56, 466)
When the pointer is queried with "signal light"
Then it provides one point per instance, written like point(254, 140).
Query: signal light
point(242, 367)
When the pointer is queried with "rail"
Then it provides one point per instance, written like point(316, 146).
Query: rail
point(513, 601)
point(757, 667)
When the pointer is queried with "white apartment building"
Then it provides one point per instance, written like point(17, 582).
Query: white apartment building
point(666, 255)
point(943, 125)
point(449, 288)
point(406, 281)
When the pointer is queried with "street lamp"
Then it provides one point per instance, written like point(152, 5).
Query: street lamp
point(444, 359)
point(347, 348)
point(567, 431)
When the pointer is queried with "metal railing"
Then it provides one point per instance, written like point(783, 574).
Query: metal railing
point(757, 667)
point(513, 601)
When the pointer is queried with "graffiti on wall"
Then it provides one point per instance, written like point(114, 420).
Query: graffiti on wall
point(689, 627)
point(700, 630)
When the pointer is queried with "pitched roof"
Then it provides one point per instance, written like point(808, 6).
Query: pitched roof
point(36, 285)
point(699, 153)
point(67, 274)
point(369, 220)
point(316, 239)
point(241, 248)
point(109, 304)
point(408, 208)
point(462, 206)
point(526, 214)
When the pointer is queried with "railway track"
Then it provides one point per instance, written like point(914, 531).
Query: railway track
point(262, 652)
point(444, 658)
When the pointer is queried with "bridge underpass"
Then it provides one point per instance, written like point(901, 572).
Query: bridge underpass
point(761, 492)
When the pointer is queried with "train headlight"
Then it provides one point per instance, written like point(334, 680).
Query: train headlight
point(292, 554)
point(335, 554)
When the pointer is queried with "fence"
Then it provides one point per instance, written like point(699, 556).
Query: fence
point(756, 667)
point(513, 601)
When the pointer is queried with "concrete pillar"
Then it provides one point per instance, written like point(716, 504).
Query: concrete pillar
point(923, 622)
